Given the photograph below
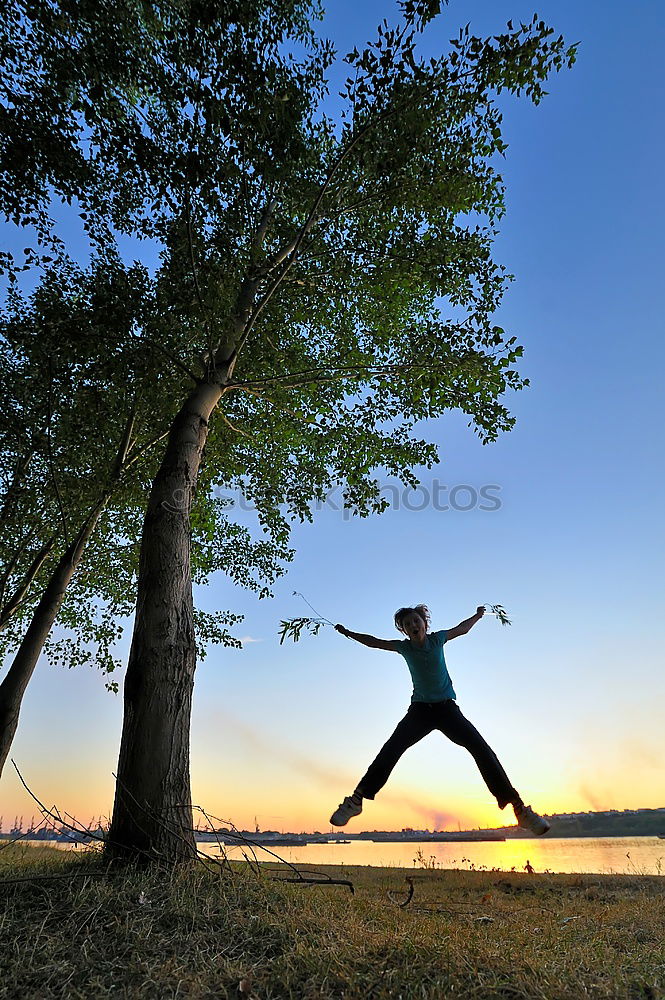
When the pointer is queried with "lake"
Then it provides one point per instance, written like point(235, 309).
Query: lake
point(608, 855)
point(602, 855)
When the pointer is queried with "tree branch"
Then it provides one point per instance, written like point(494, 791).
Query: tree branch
point(144, 448)
point(348, 371)
point(50, 453)
point(261, 395)
point(262, 229)
point(14, 560)
point(195, 277)
point(176, 361)
point(288, 254)
point(238, 430)
point(21, 591)
point(125, 444)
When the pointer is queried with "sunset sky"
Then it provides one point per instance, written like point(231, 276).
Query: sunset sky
point(571, 696)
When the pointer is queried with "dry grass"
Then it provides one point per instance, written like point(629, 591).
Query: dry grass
point(194, 934)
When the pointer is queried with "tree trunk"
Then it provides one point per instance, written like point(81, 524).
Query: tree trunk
point(152, 813)
point(14, 684)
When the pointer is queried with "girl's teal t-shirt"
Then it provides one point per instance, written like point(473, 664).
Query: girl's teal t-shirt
point(427, 666)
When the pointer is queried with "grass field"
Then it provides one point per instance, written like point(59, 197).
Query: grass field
point(199, 933)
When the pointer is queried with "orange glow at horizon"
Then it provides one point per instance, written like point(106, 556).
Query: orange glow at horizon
point(255, 773)
point(82, 794)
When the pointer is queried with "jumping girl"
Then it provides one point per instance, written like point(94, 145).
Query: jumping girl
point(433, 706)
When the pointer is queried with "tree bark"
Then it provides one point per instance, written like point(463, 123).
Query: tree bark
point(152, 812)
point(15, 682)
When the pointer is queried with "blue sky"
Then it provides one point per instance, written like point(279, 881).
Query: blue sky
point(571, 695)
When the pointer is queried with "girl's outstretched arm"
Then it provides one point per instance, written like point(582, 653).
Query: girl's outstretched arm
point(369, 640)
point(467, 624)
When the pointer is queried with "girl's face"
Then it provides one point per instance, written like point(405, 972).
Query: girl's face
point(415, 627)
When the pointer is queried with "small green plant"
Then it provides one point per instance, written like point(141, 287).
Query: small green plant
point(421, 861)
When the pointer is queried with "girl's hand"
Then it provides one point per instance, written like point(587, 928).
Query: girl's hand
point(341, 629)
point(480, 610)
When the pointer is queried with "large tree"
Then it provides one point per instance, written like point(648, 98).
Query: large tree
point(310, 247)
point(318, 249)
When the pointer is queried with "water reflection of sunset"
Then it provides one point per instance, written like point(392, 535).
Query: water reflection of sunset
point(619, 855)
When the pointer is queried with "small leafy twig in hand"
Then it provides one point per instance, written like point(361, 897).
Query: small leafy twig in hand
point(292, 628)
point(499, 612)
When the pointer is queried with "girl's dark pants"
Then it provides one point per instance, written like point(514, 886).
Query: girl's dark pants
point(421, 718)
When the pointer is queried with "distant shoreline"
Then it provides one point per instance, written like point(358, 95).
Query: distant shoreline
point(612, 824)
point(305, 841)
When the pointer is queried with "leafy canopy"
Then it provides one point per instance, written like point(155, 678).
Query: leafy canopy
point(326, 260)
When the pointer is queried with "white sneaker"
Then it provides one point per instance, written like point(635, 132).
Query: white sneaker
point(345, 810)
point(530, 820)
